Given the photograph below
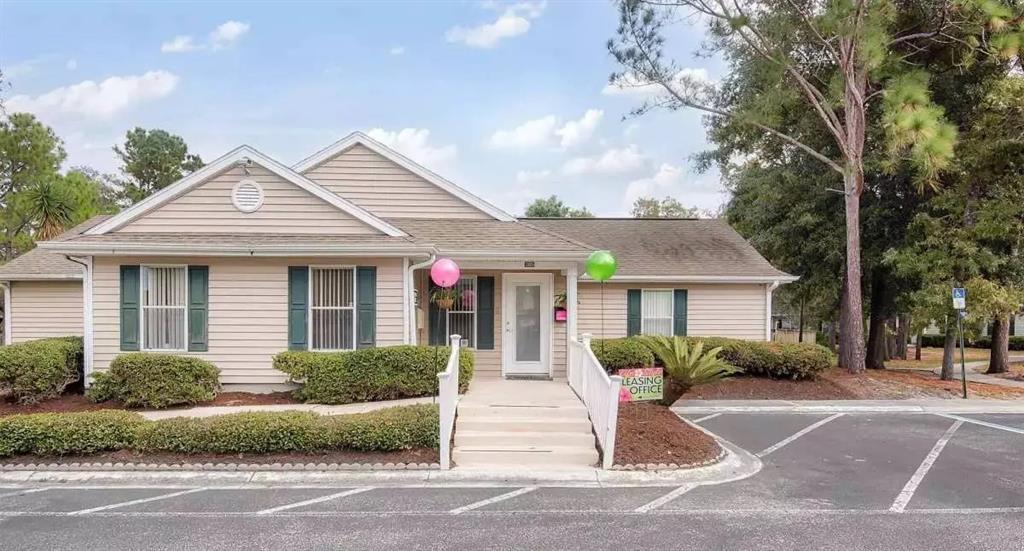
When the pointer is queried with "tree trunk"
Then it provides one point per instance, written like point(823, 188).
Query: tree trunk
point(876, 353)
point(800, 336)
point(917, 345)
point(948, 350)
point(902, 335)
point(999, 360)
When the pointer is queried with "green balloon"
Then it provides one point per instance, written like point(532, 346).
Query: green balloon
point(601, 265)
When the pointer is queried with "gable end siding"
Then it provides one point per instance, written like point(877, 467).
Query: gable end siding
point(287, 209)
point(386, 189)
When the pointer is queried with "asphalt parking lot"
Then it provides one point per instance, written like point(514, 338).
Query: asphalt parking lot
point(842, 481)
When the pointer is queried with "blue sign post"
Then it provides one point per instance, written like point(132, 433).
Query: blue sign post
point(960, 305)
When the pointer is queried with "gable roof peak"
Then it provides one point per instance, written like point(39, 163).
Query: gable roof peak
point(360, 138)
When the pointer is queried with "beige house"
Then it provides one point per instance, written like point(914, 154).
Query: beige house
point(248, 257)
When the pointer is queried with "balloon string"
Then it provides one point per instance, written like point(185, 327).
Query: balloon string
point(603, 336)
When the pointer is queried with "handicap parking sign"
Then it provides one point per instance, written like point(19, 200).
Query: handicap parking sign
point(959, 298)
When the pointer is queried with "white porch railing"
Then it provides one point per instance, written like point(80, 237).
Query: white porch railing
point(599, 392)
point(447, 400)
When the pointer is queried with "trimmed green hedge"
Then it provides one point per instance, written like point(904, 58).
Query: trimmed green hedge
point(625, 353)
point(765, 359)
point(939, 341)
point(370, 374)
point(38, 370)
point(55, 434)
point(143, 379)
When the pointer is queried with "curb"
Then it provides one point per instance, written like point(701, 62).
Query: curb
point(816, 406)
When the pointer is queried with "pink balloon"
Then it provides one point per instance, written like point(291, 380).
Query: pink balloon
point(444, 272)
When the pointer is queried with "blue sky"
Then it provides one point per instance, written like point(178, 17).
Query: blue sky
point(509, 100)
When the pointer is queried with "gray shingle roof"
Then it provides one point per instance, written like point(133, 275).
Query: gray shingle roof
point(453, 235)
point(40, 264)
point(667, 247)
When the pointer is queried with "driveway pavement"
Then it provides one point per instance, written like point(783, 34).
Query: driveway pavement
point(829, 481)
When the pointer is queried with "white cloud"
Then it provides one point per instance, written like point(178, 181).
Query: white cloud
point(98, 100)
point(547, 131)
point(670, 181)
point(576, 132)
point(513, 21)
point(397, 50)
point(227, 33)
point(532, 176)
point(612, 161)
point(179, 44)
point(529, 134)
point(414, 143)
point(632, 84)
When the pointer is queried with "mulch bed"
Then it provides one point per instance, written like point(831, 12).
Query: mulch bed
point(76, 402)
point(419, 455)
point(760, 388)
point(651, 434)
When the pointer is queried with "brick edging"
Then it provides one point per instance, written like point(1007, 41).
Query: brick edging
point(722, 453)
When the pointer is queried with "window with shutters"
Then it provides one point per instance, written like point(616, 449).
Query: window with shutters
point(462, 316)
point(656, 312)
point(332, 308)
point(164, 302)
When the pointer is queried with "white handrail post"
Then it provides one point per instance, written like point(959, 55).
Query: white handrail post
point(613, 420)
point(586, 377)
point(448, 391)
point(456, 341)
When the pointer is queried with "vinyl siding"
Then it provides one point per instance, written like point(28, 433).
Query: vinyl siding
point(287, 209)
point(713, 310)
point(488, 362)
point(386, 189)
point(248, 310)
point(42, 309)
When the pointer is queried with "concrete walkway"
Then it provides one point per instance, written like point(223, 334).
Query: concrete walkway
point(978, 377)
point(210, 411)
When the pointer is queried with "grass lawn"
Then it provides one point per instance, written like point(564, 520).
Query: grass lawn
point(932, 358)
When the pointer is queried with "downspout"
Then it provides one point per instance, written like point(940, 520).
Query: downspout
point(769, 289)
point(410, 308)
point(6, 286)
point(87, 326)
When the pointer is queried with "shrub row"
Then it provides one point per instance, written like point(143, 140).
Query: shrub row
point(759, 358)
point(370, 374)
point(38, 370)
point(55, 434)
point(143, 379)
point(938, 341)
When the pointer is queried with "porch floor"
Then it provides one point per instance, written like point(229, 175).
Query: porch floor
point(529, 424)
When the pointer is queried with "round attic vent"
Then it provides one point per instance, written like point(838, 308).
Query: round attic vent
point(247, 196)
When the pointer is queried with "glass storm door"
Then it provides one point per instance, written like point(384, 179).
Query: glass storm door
point(527, 315)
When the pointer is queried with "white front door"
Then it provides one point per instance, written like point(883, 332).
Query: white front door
point(527, 310)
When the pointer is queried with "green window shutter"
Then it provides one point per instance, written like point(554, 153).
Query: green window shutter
point(298, 302)
point(437, 322)
point(130, 307)
point(679, 312)
point(633, 312)
point(198, 308)
point(366, 306)
point(485, 313)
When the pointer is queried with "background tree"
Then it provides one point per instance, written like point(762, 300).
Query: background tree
point(30, 156)
point(669, 207)
point(553, 207)
point(834, 57)
point(152, 160)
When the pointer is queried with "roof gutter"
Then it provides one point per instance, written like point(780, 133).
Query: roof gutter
point(116, 249)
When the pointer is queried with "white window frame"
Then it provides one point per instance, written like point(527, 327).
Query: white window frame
point(310, 307)
point(142, 309)
point(475, 312)
point(672, 310)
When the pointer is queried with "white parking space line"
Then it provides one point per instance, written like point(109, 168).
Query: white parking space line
point(23, 492)
point(135, 502)
point(908, 490)
point(664, 499)
point(798, 434)
point(495, 499)
point(321, 499)
point(706, 417)
point(982, 423)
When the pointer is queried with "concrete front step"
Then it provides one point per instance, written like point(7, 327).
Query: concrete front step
point(470, 411)
point(483, 423)
point(478, 439)
point(504, 456)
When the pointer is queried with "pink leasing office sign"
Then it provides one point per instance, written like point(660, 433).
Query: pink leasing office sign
point(641, 384)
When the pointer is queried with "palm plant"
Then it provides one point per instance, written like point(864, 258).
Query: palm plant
point(687, 366)
point(49, 208)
